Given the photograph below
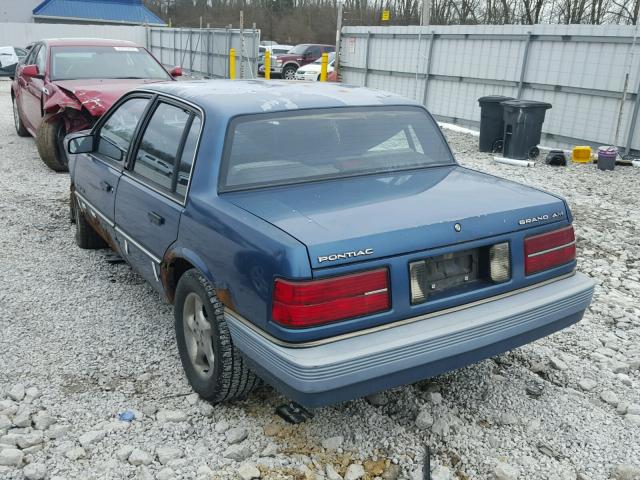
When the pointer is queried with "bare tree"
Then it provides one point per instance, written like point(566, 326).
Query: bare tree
point(297, 21)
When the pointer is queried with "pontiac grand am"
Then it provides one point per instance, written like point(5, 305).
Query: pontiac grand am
point(371, 261)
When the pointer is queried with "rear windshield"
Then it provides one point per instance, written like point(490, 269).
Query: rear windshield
point(70, 63)
point(285, 148)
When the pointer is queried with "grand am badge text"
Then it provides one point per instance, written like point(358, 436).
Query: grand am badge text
point(540, 218)
point(343, 256)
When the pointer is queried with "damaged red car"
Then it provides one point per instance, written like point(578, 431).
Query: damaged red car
point(65, 85)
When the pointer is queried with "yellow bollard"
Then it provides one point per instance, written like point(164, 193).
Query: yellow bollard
point(323, 68)
point(232, 64)
point(267, 65)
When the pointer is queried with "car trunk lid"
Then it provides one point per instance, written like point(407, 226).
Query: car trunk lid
point(377, 216)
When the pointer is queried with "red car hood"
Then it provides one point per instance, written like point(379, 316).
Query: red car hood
point(96, 96)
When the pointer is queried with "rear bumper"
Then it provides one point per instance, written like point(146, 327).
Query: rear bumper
point(351, 367)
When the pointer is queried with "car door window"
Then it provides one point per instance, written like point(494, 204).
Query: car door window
point(41, 60)
point(160, 145)
point(314, 52)
point(117, 132)
point(187, 157)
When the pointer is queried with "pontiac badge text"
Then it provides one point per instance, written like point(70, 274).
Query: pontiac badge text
point(343, 256)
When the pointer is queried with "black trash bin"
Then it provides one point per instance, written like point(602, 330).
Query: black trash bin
point(491, 122)
point(523, 121)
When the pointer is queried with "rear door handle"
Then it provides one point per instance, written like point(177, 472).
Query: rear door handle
point(155, 218)
point(106, 187)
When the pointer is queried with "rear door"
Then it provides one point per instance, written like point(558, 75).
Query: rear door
point(96, 175)
point(152, 191)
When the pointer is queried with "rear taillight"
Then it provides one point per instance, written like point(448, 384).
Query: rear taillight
point(309, 303)
point(549, 250)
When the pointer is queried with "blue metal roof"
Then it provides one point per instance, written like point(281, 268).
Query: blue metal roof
point(115, 11)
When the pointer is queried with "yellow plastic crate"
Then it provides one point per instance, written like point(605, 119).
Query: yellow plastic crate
point(581, 154)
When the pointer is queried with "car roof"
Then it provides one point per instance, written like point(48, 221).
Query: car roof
point(315, 45)
point(228, 98)
point(92, 42)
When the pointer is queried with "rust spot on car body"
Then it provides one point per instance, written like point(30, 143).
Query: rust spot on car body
point(94, 221)
point(224, 295)
point(167, 275)
point(171, 269)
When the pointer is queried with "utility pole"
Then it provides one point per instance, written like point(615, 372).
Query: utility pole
point(425, 17)
point(336, 63)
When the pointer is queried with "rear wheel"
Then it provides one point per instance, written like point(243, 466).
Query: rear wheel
point(214, 367)
point(289, 72)
point(17, 120)
point(86, 236)
point(49, 140)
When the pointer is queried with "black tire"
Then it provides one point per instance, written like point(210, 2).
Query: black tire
point(289, 72)
point(534, 152)
point(86, 237)
point(230, 378)
point(72, 209)
point(49, 142)
point(17, 119)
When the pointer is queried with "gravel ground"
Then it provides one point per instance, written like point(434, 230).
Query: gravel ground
point(83, 340)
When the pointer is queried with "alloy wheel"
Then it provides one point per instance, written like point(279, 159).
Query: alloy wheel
point(198, 336)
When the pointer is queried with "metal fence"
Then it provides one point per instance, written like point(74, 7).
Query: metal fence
point(590, 74)
point(205, 51)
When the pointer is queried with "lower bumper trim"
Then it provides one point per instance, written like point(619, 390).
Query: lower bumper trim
point(362, 365)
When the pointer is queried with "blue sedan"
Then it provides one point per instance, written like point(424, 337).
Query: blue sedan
point(321, 237)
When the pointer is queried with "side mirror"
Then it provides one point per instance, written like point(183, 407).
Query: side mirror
point(30, 71)
point(80, 144)
point(176, 72)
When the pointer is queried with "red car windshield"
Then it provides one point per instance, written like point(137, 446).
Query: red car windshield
point(77, 62)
